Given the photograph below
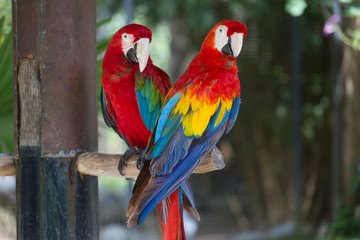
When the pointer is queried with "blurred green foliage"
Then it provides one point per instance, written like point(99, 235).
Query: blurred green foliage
point(295, 7)
point(101, 45)
point(5, 12)
point(6, 87)
point(350, 9)
point(268, 65)
point(198, 16)
point(347, 225)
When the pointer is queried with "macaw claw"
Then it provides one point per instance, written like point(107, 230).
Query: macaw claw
point(126, 156)
point(140, 162)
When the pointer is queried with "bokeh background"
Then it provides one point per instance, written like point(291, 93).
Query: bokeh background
point(293, 157)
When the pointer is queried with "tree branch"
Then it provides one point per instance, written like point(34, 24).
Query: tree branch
point(7, 165)
point(98, 164)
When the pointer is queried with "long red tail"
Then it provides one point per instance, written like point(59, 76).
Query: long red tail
point(171, 219)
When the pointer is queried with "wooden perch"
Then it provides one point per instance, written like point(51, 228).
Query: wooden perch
point(7, 165)
point(98, 164)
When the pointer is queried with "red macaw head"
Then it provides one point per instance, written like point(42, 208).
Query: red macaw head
point(227, 38)
point(134, 40)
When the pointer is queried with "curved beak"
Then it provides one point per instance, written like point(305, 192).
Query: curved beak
point(142, 52)
point(233, 47)
point(139, 53)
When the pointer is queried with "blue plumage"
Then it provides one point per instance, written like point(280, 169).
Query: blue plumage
point(149, 106)
point(233, 114)
point(192, 154)
point(165, 112)
point(166, 184)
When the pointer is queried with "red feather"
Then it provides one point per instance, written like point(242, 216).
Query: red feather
point(211, 75)
point(118, 83)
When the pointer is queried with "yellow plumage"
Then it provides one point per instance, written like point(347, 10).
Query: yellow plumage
point(196, 120)
point(225, 105)
point(182, 106)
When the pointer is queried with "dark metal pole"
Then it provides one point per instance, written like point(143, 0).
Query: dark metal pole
point(55, 118)
point(338, 121)
point(296, 82)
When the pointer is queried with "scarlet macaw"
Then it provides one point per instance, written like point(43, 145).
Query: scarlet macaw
point(199, 108)
point(133, 90)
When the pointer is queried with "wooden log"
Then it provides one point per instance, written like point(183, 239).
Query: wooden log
point(7, 167)
point(99, 164)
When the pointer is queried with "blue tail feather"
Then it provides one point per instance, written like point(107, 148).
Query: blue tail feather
point(168, 183)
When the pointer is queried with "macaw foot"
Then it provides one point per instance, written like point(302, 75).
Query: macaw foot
point(125, 157)
point(140, 162)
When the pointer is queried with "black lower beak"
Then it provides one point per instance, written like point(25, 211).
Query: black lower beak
point(227, 48)
point(131, 54)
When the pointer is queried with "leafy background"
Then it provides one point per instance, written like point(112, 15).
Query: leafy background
point(6, 89)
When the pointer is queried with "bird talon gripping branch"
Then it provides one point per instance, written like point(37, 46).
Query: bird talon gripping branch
point(126, 156)
point(121, 166)
point(140, 162)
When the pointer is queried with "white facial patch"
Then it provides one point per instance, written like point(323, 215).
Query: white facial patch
point(127, 41)
point(221, 38)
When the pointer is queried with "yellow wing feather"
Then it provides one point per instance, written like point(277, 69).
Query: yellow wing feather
point(225, 105)
point(197, 112)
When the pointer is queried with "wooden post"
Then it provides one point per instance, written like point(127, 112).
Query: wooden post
point(55, 118)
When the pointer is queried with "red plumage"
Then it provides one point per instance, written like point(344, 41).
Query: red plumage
point(118, 82)
point(210, 58)
point(201, 106)
point(121, 107)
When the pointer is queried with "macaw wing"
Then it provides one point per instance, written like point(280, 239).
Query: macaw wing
point(233, 114)
point(157, 188)
point(169, 134)
point(162, 182)
point(109, 114)
point(185, 117)
point(150, 97)
point(108, 111)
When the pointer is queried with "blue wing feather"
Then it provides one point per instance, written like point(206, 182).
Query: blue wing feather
point(176, 149)
point(166, 184)
point(164, 115)
point(187, 190)
point(149, 101)
point(174, 156)
point(142, 106)
point(233, 114)
point(171, 145)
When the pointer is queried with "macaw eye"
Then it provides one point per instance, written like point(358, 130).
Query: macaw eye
point(125, 36)
point(222, 29)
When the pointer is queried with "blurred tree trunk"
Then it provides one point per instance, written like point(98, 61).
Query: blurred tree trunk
point(263, 142)
point(179, 48)
point(351, 135)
